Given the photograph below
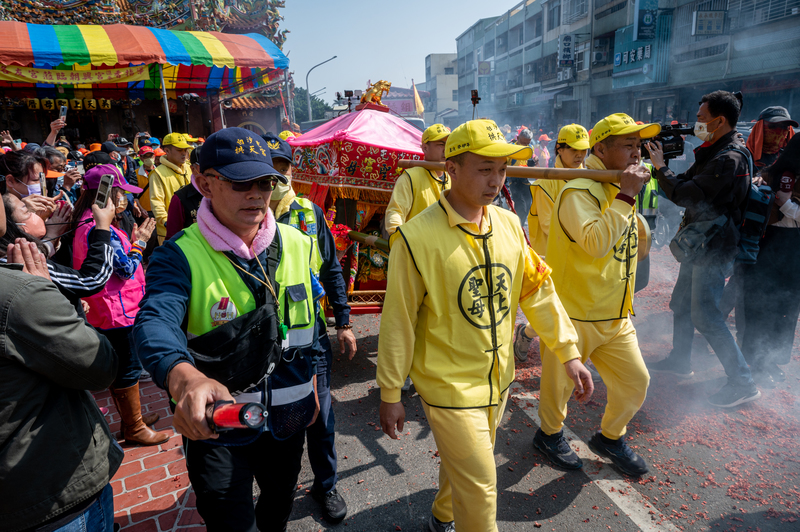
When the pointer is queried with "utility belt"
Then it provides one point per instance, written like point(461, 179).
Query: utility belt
point(243, 354)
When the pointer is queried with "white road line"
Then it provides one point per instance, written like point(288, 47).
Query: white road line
point(622, 494)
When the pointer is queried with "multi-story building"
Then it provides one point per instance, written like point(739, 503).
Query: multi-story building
point(441, 82)
point(546, 63)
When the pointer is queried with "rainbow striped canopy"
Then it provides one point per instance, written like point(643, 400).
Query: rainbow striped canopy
point(193, 61)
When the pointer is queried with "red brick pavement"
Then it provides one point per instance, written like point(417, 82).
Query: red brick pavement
point(151, 487)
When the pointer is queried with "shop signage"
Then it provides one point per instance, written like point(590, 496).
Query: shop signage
point(566, 52)
point(708, 23)
point(644, 23)
point(21, 74)
point(637, 62)
point(484, 68)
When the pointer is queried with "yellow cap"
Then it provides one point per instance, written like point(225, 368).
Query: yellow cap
point(435, 132)
point(575, 136)
point(286, 134)
point(621, 124)
point(176, 139)
point(483, 137)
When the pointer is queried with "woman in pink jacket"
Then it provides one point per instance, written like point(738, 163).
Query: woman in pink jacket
point(113, 310)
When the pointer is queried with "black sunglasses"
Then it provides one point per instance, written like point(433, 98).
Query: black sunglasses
point(264, 185)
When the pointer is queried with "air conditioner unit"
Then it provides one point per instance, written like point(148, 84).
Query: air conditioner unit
point(567, 74)
point(529, 69)
point(599, 58)
point(560, 76)
point(599, 44)
point(509, 83)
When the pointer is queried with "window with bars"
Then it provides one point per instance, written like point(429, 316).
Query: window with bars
point(744, 13)
point(582, 56)
point(575, 10)
point(682, 25)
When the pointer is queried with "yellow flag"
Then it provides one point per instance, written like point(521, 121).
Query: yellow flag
point(417, 101)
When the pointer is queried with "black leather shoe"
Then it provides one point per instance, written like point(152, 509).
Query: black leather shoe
point(777, 373)
point(334, 509)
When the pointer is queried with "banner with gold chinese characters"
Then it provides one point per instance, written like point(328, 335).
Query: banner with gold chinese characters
point(21, 74)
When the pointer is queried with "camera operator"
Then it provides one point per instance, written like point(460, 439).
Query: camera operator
point(712, 191)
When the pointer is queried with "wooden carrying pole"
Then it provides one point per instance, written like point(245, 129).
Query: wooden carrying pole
point(603, 176)
point(369, 240)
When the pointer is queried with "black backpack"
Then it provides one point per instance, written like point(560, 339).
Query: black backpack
point(756, 209)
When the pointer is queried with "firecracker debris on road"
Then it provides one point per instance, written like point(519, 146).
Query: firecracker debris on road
point(710, 469)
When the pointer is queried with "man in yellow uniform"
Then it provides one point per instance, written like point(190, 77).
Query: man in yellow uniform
point(173, 172)
point(592, 251)
point(571, 149)
point(417, 188)
point(457, 273)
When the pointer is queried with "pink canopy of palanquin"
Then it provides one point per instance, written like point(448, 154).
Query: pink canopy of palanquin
point(373, 128)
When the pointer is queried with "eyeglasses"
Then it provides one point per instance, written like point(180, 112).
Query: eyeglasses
point(264, 185)
point(59, 167)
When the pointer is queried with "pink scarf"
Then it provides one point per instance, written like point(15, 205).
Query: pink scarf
point(222, 239)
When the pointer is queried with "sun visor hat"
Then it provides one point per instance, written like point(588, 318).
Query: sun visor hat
point(621, 124)
point(483, 137)
point(91, 179)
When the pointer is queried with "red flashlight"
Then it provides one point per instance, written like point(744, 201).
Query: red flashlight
point(227, 415)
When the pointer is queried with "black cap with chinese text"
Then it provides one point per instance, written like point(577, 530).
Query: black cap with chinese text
point(239, 155)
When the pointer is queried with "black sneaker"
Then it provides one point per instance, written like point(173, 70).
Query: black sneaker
point(557, 449)
point(334, 509)
point(620, 455)
point(434, 525)
point(670, 366)
point(732, 395)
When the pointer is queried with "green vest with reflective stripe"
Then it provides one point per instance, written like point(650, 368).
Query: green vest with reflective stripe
point(649, 194)
point(305, 220)
point(219, 294)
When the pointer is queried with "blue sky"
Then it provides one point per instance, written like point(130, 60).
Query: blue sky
point(374, 40)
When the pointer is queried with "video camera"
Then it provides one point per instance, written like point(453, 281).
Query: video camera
point(671, 141)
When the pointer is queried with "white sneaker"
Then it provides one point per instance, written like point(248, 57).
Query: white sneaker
point(521, 343)
point(407, 384)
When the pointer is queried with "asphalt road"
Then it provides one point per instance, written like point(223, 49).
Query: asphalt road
point(711, 469)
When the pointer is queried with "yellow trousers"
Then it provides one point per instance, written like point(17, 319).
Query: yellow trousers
point(614, 350)
point(468, 474)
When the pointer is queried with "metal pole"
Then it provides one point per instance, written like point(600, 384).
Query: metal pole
point(164, 94)
point(308, 94)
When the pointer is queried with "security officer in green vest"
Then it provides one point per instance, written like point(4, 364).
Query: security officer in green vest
point(647, 206)
point(304, 215)
point(228, 315)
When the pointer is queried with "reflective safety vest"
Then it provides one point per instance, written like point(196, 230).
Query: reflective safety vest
point(463, 351)
point(426, 189)
point(647, 199)
point(220, 295)
point(590, 288)
point(548, 188)
point(304, 219)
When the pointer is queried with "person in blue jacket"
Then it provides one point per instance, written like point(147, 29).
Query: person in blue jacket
point(308, 217)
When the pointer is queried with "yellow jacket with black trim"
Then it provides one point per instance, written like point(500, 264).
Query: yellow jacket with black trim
point(415, 190)
point(451, 298)
point(592, 248)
